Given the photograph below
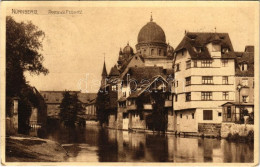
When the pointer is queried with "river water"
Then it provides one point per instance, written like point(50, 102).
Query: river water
point(95, 144)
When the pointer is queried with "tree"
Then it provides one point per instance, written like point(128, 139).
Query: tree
point(69, 108)
point(102, 114)
point(159, 115)
point(23, 45)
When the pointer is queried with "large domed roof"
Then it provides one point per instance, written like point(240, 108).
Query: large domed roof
point(151, 32)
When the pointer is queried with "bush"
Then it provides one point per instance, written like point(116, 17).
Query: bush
point(250, 136)
point(237, 138)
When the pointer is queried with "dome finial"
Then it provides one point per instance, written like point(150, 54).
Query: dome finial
point(151, 19)
point(127, 43)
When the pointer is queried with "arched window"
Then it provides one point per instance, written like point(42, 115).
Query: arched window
point(152, 51)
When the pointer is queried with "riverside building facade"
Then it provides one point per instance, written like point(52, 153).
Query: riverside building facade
point(203, 73)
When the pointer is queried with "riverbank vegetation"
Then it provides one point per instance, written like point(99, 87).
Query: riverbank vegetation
point(238, 138)
point(69, 108)
point(23, 46)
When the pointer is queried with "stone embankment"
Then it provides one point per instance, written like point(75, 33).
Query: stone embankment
point(31, 149)
point(238, 132)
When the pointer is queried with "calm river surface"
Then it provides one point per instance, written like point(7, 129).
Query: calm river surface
point(94, 144)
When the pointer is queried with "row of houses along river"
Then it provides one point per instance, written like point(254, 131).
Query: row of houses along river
point(212, 96)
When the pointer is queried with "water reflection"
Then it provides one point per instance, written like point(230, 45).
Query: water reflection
point(93, 144)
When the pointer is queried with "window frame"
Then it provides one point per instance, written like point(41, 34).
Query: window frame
point(225, 95)
point(244, 80)
point(206, 63)
point(188, 64)
point(207, 115)
point(178, 67)
point(114, 88)
point(244, 66)
point(245, 99)
point(206, 96)
point(207, 80)
point(195, 63)
point(187, 81)
point(225, 80)
point(188, 96)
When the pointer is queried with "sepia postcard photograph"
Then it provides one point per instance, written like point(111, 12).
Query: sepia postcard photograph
point(130, 83)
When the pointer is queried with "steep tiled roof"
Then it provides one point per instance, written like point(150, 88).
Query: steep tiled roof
point(55, 97)
point(248, 58)
point(199, 40)
point(142, 88)
point(126, 62)
point(114, 71)
point(87, 97)
point(144, 73)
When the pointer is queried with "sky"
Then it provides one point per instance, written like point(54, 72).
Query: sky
point(75, 45)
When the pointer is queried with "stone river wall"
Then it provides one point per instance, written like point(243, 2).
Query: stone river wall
point(232, 128)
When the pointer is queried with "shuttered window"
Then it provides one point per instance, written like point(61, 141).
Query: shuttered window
point(207, 115)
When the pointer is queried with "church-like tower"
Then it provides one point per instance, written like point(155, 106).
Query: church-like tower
point(104, 74)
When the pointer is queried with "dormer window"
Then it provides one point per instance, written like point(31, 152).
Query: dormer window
point(225, 50)
point(243, 66)
point(114, 88)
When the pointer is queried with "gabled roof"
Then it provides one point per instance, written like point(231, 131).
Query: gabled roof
point(193, 40)
point(144, 73)
point(125, 67)
point(125, 64)
point(87, 97)
point(114, 71)
point(141, 90)
point(248, 58)
point(237, 103)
